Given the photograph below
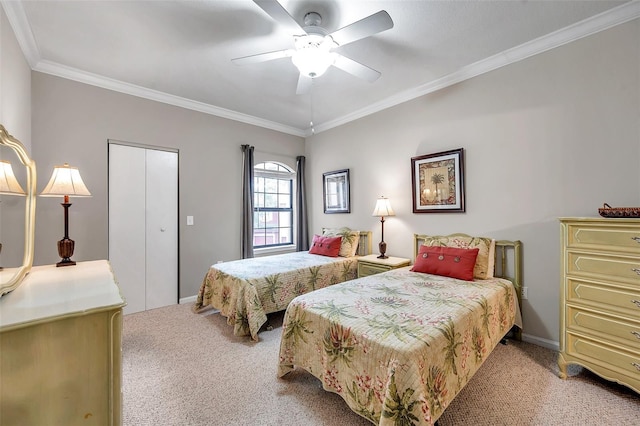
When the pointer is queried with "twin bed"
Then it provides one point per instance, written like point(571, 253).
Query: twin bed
point(246, 291)
point(397, 346)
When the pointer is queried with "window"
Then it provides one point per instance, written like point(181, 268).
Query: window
point(272, 205)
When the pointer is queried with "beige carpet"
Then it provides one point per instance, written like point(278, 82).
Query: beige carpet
point(181, 368)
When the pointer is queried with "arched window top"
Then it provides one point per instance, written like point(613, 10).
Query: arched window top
point(274, 169)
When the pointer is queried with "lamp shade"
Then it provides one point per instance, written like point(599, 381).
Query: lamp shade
point(383, 208)
point(8, 183)
point(65, 181)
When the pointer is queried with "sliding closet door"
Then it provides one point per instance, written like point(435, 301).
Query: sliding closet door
point(143, 225)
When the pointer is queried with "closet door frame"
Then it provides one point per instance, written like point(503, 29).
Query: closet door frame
point(111, 142)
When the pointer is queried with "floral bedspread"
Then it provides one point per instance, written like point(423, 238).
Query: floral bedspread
point(397, 346)
point(245, 291)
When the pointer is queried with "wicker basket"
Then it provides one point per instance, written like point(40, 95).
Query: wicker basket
point(608, 211)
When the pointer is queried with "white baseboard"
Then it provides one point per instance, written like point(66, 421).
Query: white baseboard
point(545, 343)
point(190, 299)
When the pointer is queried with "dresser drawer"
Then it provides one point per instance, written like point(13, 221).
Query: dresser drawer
point(622, 331)
point(607, 267)
point(612, 237)
point(366, 269)
point(624, 364)
point(594, 294)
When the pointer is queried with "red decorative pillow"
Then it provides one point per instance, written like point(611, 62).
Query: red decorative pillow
point(326, 246)
point(446, 261)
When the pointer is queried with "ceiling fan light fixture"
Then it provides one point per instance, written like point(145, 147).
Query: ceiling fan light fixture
point(313, 61)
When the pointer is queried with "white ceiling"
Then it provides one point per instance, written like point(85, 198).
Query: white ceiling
point(180, 52)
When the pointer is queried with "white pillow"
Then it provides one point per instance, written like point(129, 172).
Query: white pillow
point(350, 240)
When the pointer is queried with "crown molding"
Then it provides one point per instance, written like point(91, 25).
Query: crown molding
point(22, 30)
point(70, 73)
point(616, 16)
point(608, 19)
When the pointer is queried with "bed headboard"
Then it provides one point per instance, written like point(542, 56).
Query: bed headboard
point(364, 243)
point(508, 259)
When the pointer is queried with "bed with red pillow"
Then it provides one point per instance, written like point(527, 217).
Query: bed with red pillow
point(246, 291)
point(400, 345)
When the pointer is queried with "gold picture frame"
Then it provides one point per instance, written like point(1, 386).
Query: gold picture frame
point(438, 182)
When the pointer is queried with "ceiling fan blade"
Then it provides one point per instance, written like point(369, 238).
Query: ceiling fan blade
point(356, 68)
point(304, 84)
point(280, 15)
point(262, 57)
point(372, 24)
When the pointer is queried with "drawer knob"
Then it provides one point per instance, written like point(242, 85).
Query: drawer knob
point(636, 365)
point(636, 302)
point(636, 270)
point(636, 333)
point(636, 239)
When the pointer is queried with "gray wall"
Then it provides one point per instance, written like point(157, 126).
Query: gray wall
point(554, 135)
point(72, 123)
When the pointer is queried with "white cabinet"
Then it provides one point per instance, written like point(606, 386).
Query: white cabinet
point(61, 340)
point(143, 224)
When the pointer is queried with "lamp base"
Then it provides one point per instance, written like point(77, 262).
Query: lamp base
point(382, 246)
point(65, 262)
point(65, 251)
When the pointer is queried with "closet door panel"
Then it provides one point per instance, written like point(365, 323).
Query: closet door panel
point(161, 228)
point(127, 240)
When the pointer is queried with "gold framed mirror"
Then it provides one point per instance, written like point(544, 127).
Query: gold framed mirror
point(13, 153)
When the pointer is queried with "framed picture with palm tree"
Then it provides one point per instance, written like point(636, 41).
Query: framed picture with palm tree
point(438, 182)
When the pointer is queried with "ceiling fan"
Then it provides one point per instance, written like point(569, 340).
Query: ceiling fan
point(313, 52)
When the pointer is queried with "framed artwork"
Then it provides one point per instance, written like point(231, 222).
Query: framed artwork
point(335, 191)
point(438, 182)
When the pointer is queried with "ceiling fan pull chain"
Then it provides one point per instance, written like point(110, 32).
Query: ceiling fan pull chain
point(313, 130)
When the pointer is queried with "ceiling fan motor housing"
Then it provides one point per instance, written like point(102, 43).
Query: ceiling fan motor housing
point(312, 19)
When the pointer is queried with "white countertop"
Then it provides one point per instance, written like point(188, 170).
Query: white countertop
point(49, 291)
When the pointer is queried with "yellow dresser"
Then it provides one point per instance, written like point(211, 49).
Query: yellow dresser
point(60, 348)
point(600, 298)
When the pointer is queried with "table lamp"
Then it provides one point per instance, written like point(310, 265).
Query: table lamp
point(383, 209)
point(65, 181)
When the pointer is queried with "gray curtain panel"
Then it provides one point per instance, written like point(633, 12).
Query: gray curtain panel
point(247, 201)
point(302, 223)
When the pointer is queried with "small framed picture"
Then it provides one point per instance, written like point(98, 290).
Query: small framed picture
point(438, 182)
point(335, 191)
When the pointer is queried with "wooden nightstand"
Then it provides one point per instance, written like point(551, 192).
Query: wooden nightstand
point(371, 264)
